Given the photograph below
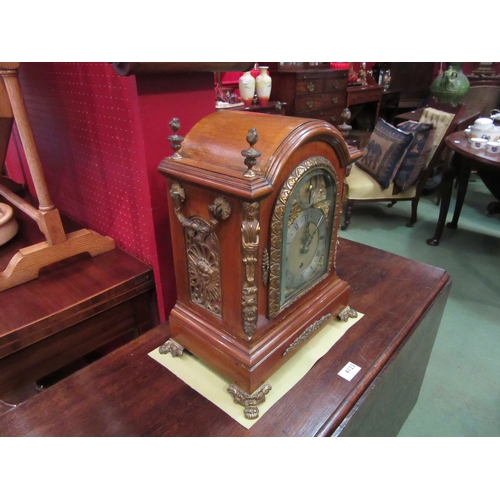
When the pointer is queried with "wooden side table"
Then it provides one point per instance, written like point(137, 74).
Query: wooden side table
point(73, 308)
point(365, 98)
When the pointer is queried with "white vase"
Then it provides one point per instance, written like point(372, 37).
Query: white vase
point(263, 83)
point(246, 84)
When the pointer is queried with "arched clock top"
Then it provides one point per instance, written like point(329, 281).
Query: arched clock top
point(213, 150)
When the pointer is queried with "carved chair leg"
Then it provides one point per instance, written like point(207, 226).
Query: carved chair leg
point(413, 218)
point(347, 215)
point(414, 202)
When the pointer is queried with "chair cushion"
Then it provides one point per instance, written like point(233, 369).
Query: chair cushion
point(415, 158)
point(362, 186)
point(384, 152)
point(441, 121)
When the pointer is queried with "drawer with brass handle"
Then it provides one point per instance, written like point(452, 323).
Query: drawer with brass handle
point(333, 84)
point(363, 96)
point(309, 86)
point(319, 101)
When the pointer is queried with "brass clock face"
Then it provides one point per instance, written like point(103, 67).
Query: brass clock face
point(305, 250)
point(306, 207)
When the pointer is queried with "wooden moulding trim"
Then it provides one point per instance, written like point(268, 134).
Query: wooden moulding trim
point(236, 185)
point(137, 68)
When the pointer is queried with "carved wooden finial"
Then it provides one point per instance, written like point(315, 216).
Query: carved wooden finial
point(251, 154)
point(175, 140)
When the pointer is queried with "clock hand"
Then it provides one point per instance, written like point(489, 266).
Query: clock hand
point(308, 237)
point(305, 238)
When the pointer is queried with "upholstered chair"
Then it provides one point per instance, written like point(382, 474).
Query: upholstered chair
point(398, 161)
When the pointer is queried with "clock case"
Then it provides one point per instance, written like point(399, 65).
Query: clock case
point(225, 242)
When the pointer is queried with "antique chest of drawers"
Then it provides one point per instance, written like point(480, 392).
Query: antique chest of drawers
point(319, 93)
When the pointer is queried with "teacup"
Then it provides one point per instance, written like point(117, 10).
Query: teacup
point(478, 143)
point(493, 147)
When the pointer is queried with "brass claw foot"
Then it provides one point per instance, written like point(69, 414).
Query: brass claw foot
point(347, 313)
point(250, 402)
point(172, 347)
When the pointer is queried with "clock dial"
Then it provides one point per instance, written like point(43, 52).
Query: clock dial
point(306, 246)
point(307, 230)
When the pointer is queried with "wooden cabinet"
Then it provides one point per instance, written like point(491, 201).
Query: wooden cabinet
point(320, 93)
point(75, 307)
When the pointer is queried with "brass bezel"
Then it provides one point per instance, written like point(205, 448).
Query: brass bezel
point(277, 233)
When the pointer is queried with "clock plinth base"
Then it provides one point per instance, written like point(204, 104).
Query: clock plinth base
point(249, 363)
point(250, 401)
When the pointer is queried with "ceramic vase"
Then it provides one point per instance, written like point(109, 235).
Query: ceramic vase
point(451, 86)
point(246, 85)
point(263, 83)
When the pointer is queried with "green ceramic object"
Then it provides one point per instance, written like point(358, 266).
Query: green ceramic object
point(451, 86)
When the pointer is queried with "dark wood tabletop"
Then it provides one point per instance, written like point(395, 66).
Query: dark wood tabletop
point(127, 393)
point(459, 142)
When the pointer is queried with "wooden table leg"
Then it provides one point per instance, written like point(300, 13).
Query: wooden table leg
point(463, 174)
point(449, 174)
point(491, 180)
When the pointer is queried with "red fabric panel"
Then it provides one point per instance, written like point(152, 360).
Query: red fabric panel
point(100, 143)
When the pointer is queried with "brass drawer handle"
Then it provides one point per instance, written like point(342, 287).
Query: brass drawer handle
point(335, 99)
point(333, 119)
point(309, 104)
point(310, 87)
point(336, 84)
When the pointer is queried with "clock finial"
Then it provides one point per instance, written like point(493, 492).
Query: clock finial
point(251, 154)
point(175, 140)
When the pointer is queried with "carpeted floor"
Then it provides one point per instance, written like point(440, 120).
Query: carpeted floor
point(460, 395)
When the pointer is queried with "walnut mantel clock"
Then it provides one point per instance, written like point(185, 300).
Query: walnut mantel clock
point(254, 232)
